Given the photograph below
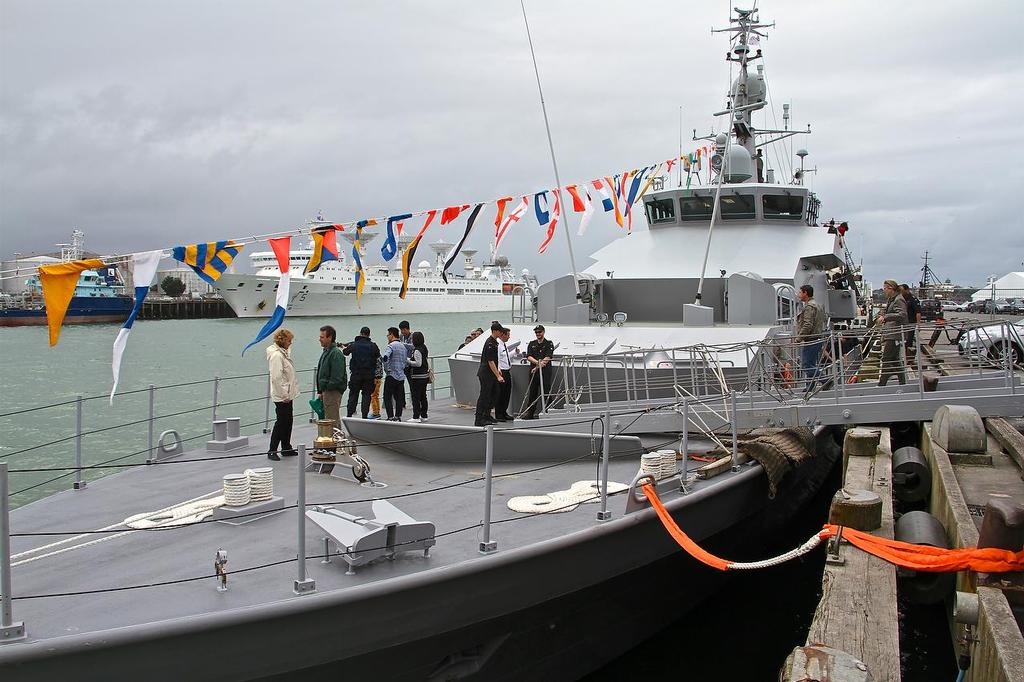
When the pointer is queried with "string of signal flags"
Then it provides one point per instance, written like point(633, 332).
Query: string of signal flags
point(617, 194)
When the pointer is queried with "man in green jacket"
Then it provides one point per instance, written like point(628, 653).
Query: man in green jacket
point(330, 375)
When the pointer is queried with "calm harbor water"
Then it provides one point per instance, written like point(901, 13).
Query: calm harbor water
point(169, 353)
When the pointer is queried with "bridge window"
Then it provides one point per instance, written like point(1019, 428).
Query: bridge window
point(737, 206)
point(782, 206)
point(697, 207)
point(661, 211)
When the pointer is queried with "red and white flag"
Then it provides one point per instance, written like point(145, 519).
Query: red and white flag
point(556, 214)
point(513, 217)
point(581, 203)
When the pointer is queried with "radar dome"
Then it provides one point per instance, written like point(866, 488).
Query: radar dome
point(501, 261)
point(525, 272)
point(424, 264)
point(755, 87)
point(739, 167)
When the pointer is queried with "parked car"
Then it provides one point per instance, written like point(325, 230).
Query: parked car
point(993, 341)
point(985, 305)
point(1012, 306)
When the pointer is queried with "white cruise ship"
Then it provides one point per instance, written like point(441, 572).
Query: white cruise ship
point(331, 289)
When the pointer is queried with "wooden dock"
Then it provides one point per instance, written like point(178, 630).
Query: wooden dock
point(854, 636)
point(185, 309)
point(855, 631)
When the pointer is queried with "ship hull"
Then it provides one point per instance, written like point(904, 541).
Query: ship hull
point(553, 610)
point(82, 310)
point(320, 299)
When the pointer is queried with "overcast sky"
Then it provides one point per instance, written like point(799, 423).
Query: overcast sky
point(150, 124)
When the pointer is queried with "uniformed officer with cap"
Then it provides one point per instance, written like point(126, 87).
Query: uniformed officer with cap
point(490, 378)
point(539, 353)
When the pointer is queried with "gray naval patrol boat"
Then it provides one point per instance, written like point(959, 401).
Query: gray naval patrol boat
point(444, 551)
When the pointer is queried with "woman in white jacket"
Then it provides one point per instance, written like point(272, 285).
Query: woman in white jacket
point(284, 388)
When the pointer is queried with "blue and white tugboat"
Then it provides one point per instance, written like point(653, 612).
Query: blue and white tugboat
point(99, 296)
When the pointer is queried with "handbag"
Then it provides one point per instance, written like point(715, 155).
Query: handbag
point(430, 375)
point(317, 405)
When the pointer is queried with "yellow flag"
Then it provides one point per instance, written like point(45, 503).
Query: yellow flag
point(59, 282)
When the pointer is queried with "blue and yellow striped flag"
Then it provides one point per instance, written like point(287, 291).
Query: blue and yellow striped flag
point(209, 260)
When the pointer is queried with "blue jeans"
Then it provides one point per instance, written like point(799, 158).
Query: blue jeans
point(809, 355)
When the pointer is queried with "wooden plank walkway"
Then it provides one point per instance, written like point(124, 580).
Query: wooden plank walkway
point(857, 612)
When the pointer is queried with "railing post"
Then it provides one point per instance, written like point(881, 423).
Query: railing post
point(607, 386)
point(684, 450)
point(735, 447)
point(606, 448)
point(9, 630)
point(540, 378)
point(216, 392)
point(750, 375)
point(430, 367)
point(675, 376)
point(917, 360)
point(266, 408)
point(303, 584)
point(150, 457)
point(487, 545)
point(79, 482)
point(1010, 368)
point(842, 367)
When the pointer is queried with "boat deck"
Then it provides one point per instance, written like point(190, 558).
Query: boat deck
point(110, 562)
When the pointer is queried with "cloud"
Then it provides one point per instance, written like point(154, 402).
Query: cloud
point(150, 124)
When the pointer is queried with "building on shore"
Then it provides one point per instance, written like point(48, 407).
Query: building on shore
point(194, 286)
point(1010, 285)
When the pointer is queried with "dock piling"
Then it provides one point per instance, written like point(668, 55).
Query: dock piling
point(150, 457)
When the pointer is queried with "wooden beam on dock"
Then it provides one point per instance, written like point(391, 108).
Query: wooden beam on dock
point(1010, 438)
point(857, 612)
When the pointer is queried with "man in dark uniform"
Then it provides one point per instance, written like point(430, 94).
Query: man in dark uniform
point(539, 354)
point(490, 378)
point(505, 367)
point(362, 367)
point(913, 312)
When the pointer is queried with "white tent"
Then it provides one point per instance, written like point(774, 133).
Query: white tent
point(1010, 285)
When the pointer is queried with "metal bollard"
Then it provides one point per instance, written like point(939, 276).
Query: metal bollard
point(79, 481)
point(303, 584)
point(10, 631)
point(735, 448)
point(216, 391)
point(487, 545)
point(606, 447)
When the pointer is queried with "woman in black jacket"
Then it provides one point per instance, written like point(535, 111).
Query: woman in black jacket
point(419, 377)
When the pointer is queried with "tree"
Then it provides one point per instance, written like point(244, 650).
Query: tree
point(172, 286)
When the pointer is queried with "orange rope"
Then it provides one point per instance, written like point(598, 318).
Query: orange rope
point(932, 559)
point(905, 554)
point(679, 536)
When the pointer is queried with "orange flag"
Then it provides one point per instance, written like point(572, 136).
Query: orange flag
point(59, 282)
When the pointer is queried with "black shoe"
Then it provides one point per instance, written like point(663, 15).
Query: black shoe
point(290, 452)
point(503, 418)
point(274, 456)
point(491, 420)
point(480, 423)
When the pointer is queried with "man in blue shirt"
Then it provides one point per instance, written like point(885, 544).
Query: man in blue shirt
point(395, 361)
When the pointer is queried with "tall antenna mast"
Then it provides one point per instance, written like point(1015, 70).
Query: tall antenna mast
point(551, 146)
